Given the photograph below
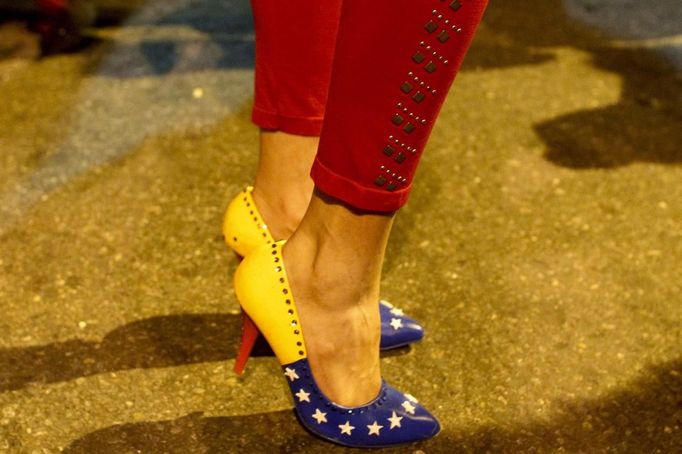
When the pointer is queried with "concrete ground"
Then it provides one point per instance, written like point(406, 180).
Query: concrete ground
point(541, 247)
point(655, 25)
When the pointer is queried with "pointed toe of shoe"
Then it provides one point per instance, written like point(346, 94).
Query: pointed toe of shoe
point(431, 426)
point(419, 423)
point(397, 329)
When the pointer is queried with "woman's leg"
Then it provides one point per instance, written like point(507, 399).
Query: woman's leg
point(294, 51)
point(395, 61)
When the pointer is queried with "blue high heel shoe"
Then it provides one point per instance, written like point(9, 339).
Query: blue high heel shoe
point(245, 230)
point(268, 307)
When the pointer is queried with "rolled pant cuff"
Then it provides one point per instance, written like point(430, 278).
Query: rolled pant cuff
point(355, 195)
point(302, 126)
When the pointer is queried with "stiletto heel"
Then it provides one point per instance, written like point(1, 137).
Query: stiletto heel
point(250, 334)
point(391, 418)
point(244, 231)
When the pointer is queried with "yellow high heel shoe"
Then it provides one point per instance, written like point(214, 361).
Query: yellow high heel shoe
point(269, 308)
point(245, 230)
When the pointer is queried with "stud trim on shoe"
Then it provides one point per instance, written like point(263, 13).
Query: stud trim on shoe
point(243, 226)
point(264, 293)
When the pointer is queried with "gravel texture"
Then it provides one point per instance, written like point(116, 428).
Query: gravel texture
point(541, 247)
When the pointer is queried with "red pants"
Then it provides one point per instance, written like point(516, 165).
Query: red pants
point(52, 6)
point(368, 76)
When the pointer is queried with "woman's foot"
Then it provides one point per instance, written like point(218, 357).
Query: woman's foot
point(333, 262)
point(364, 412)
point(283, 187)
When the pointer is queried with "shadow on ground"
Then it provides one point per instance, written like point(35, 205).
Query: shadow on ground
point(627, 418)
point(164, 341)
point(155, 342)
point(643, 126)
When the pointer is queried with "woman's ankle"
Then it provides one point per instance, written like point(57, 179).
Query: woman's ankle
point(325, 278)
point(341, 250)
point(282, 212)
point(282, 186)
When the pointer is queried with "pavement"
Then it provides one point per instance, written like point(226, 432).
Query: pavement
point(540, 248)
point(655, 25)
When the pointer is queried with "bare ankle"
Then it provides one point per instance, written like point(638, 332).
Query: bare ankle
point(282, 186)
point(282, 213)
point(342, 251)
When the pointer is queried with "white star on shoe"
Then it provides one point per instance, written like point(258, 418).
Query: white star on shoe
point(398, 312)
point(396, 323)
point(374, 429)
point(320, 416)
point(412, 398)
point(346, 428)
point(291, 373)
point(408, 407)
point(395, 420)
point(303, 396)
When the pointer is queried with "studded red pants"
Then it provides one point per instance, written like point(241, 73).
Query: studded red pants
point(368, 76)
